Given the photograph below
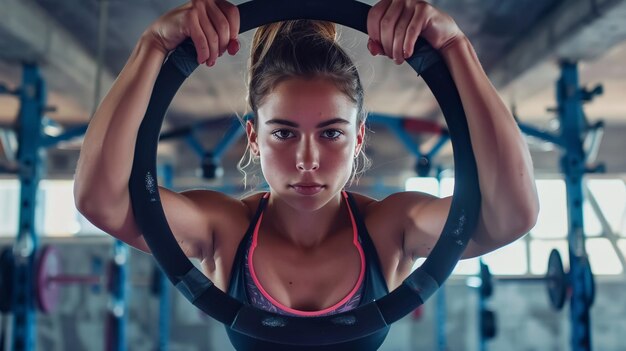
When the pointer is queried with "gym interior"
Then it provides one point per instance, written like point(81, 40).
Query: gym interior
point(559, 65)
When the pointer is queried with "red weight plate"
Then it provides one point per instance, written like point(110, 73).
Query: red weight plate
point(48, 265)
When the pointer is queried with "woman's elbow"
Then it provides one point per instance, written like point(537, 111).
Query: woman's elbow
point(83, 199)
point(530, 213)
point(92, 205)
point(515, 225)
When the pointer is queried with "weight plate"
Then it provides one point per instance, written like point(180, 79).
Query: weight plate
point(6, 279)
point(556, 280)
point(46, 291)
point(487, 324)
point(155, 280)
point(113, 278)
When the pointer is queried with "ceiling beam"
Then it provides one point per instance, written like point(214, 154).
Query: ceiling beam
point(576, 30)
point(31, 35)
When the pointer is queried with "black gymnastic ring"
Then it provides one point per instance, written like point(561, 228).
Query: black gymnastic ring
point(298, 331)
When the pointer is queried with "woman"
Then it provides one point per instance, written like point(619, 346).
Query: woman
point(306, 247)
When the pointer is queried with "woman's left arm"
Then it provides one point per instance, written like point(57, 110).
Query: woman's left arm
point(509, 196)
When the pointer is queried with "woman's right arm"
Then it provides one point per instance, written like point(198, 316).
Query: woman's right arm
point(104, 166)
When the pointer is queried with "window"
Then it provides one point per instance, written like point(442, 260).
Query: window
point(426, 185)
point(604, 212)
point(621, 243)
point(59, 211)
point(9, 206)
point(552, 220)
point(592, 224)
point(508, 260)
point(602, 257)
point(610, 195)
point(55, 212)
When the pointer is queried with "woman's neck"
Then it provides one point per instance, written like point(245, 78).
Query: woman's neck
point(305, 229)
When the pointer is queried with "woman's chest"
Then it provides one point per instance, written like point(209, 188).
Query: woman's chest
point(308, 280)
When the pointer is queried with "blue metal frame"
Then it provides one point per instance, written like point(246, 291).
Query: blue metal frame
point(547, 136)
point(482, 305)
point(31, 141)
point(571, 139)
point(394, 123)
point(118, 307)
point(573, 128)
point(441, 306)
point(32, 96)
point(165, 293)
point(49, 141)
point(573, 131)
point(232, 134)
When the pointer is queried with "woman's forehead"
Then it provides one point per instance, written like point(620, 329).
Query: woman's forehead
point(307, 102)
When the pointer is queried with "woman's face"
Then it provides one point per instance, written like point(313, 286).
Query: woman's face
point(306, 137)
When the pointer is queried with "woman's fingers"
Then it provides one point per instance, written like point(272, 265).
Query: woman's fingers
point(388, 25)
point(220, 24)
point(198, 37)
point(213, 27)
point(395, 25)
point(413, 30)
point(400, 34)
point(232, 15)
point(374, 17)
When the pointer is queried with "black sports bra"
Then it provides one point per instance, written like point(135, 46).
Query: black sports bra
point(374, 287)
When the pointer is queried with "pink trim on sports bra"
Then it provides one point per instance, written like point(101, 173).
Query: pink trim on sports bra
point(276, 303)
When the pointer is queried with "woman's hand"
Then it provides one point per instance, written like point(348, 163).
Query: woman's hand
point(212, 25)
point(394, 25)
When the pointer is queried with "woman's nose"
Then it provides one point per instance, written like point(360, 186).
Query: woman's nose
point(308, 166)
point(308, 157)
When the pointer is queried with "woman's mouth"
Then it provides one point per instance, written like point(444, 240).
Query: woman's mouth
point(307, 188)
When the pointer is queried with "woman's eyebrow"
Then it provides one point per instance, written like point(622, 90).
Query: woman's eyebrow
point(295, 125)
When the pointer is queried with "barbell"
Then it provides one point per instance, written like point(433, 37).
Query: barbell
point(49, 278)
point(558, 282)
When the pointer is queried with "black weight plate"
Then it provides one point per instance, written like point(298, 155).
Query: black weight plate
point(556, 280)
point(487, 324)
point(6, 279)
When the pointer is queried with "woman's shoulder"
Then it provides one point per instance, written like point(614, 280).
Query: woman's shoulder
point(252, 202)
point(363, 202)
point(393, 209)
point(222, 209)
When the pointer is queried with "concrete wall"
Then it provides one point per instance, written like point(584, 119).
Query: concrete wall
point(525, 320)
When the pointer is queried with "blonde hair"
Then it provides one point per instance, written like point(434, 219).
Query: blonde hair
point(302, 49)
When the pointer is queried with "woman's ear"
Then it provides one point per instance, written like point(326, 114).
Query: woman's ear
point(360, 136)
point(252, 138)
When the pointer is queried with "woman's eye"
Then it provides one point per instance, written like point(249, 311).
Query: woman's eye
point(332, 134)
point(282, 134)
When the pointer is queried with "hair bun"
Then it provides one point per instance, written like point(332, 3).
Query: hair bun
point(293, 30)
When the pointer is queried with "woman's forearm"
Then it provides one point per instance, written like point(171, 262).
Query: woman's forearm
point(509, 196)
point(106, 155)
